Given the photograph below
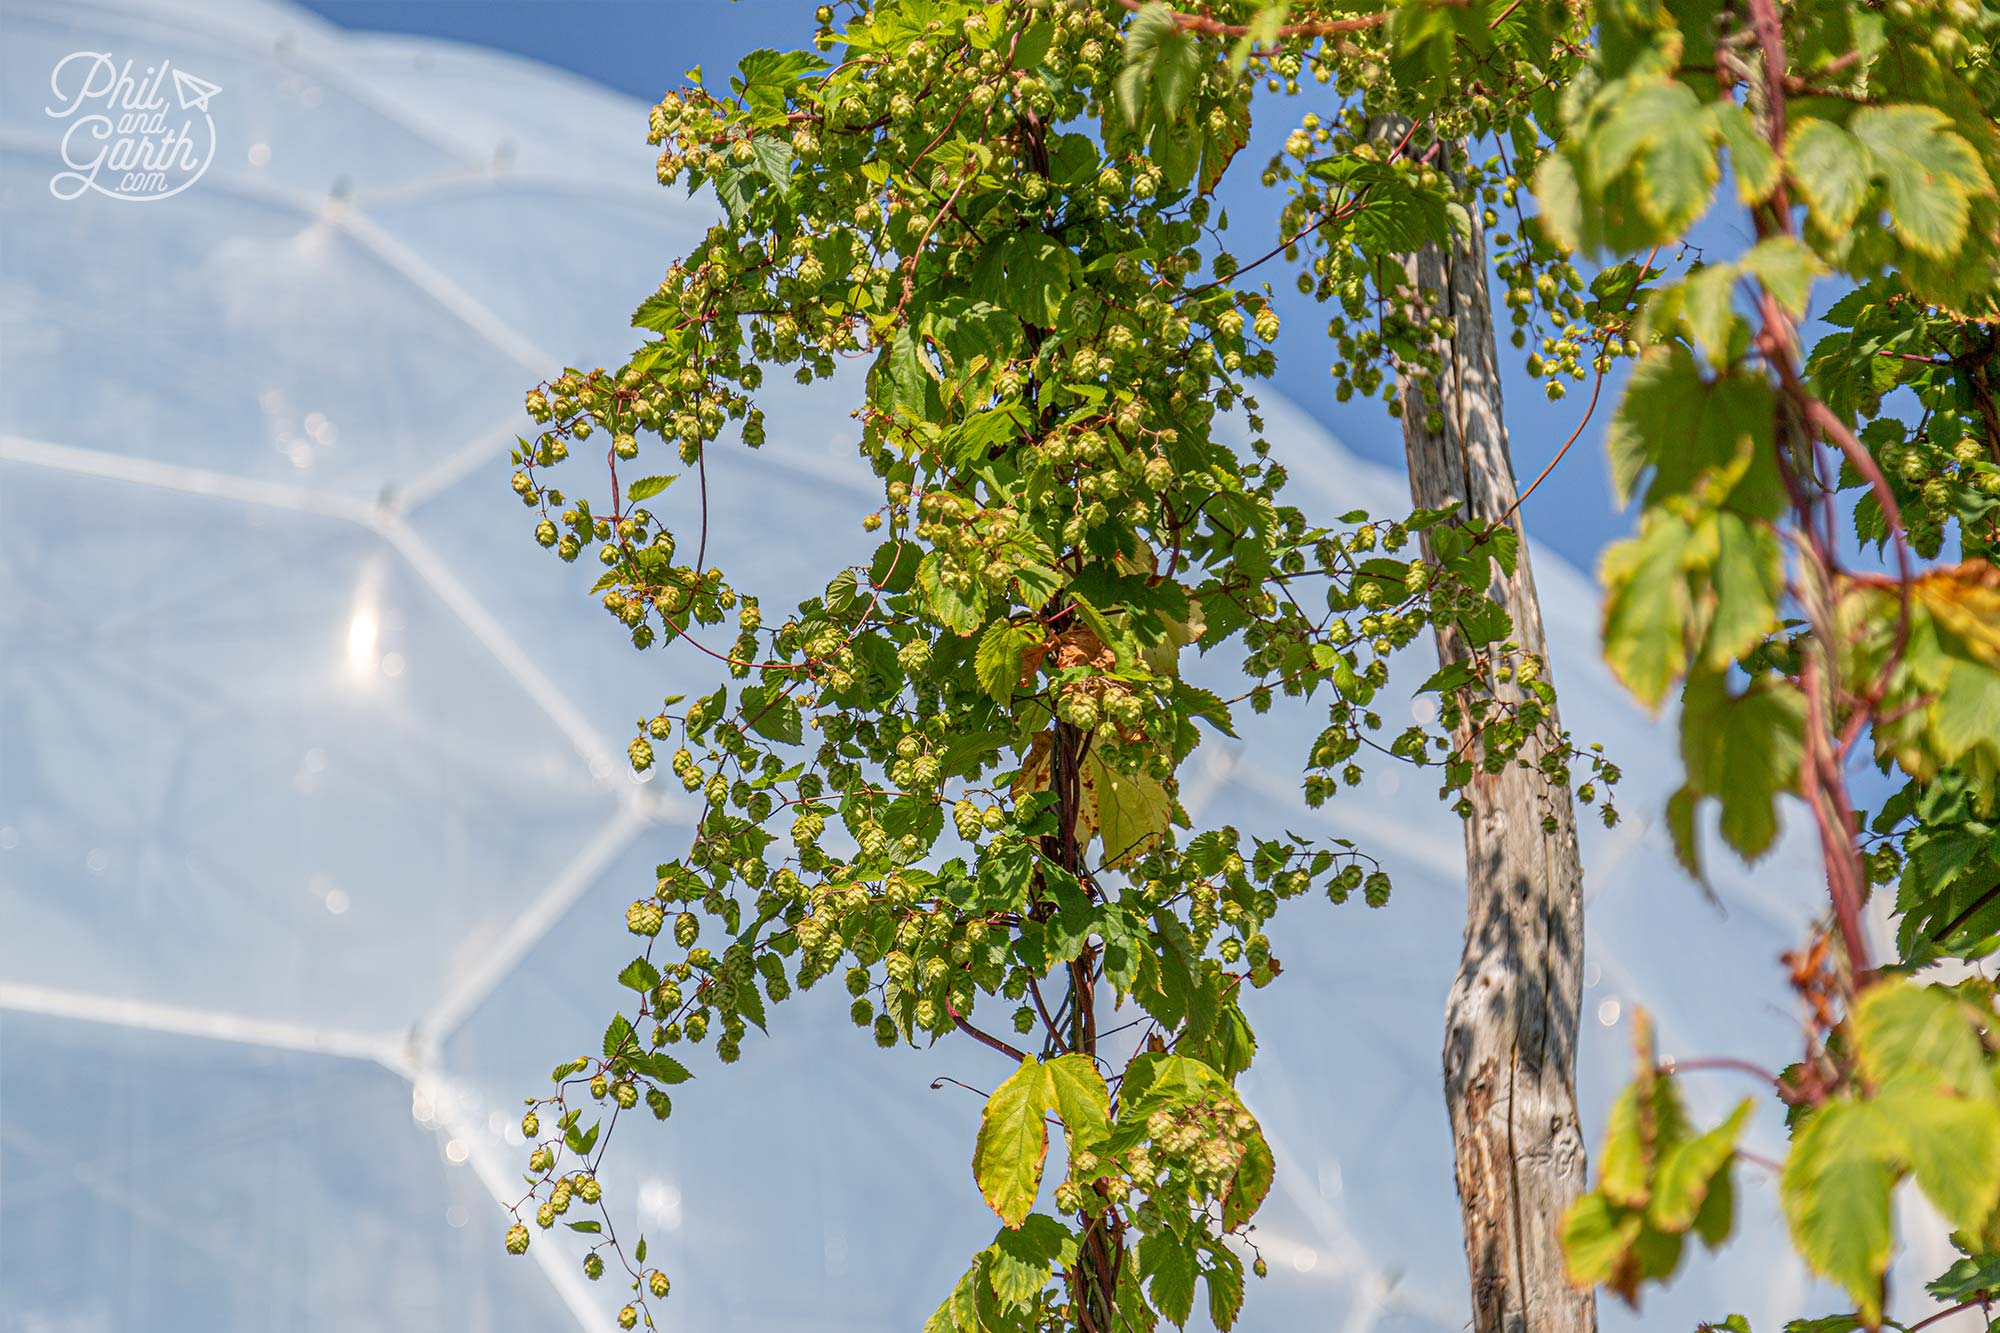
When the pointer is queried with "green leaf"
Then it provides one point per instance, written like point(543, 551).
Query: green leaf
point(581, 1142)
point(1013, 1141)
point(894, 566)
point(1022, 1261)
point(658, 1066)
point(1028, 273)
point(1647, 606)
point(639, 975)
point(1832, 170)
point(645, 488)
point(958, 611)
point(769, 711)
point(841, 592)
point(1169, 1266)
point(1787, 268)
point(1681, 809)
point(1928, 172)
point(1743, 750)
point(1704, 301)
point(1835, 1191)
point(1680, 174)
point(1751, 160)
point(587, 1228)
point(997, 662)
point(618, 1037)
point(1967, 1278)
point(1694, 436)
point(1258, 34)
point(1747, 576)
point(1225, 1288)
point(1161, 63)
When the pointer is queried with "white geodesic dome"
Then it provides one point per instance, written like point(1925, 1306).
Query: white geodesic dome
point(315, 842)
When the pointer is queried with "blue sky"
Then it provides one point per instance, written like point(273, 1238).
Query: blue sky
point(642, 48)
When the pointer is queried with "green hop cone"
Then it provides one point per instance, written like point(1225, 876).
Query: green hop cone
point(545, 1216)
point(599, 1085)
point(885, 1031)
point(657, 1282)
point(593, 1265)
point(629, 1317)
point(1376, 889)
point(589, 1190)
point(1024, 1019)
point(517, 1239)
point(686, 927)
point(645, 918)
point(862, 1012)
point(640, 752)
point(659, 1103)
point(625, 1094)
point(531, 1125)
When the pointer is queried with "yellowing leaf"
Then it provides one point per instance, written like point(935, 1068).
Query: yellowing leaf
point(1919, 1037)
point(1130, 811)
point(1080, 1097)
point(1013, 1142)
point(1687, 1171)
point(1597, 1234)
point(1965, 599)
point(1952, 1147)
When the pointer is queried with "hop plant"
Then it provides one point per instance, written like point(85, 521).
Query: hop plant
point(517, 1239)
point(645, 918)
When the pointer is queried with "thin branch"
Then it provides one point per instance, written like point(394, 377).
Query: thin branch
point(1951, 927)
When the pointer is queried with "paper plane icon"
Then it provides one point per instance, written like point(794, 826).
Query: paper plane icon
point(194, 92)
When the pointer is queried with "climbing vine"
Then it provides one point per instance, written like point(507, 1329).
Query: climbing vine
point(950, 782)
point(952, 779)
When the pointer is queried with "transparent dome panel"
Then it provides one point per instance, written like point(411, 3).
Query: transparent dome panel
point(270, 772)
point(177, 1185)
